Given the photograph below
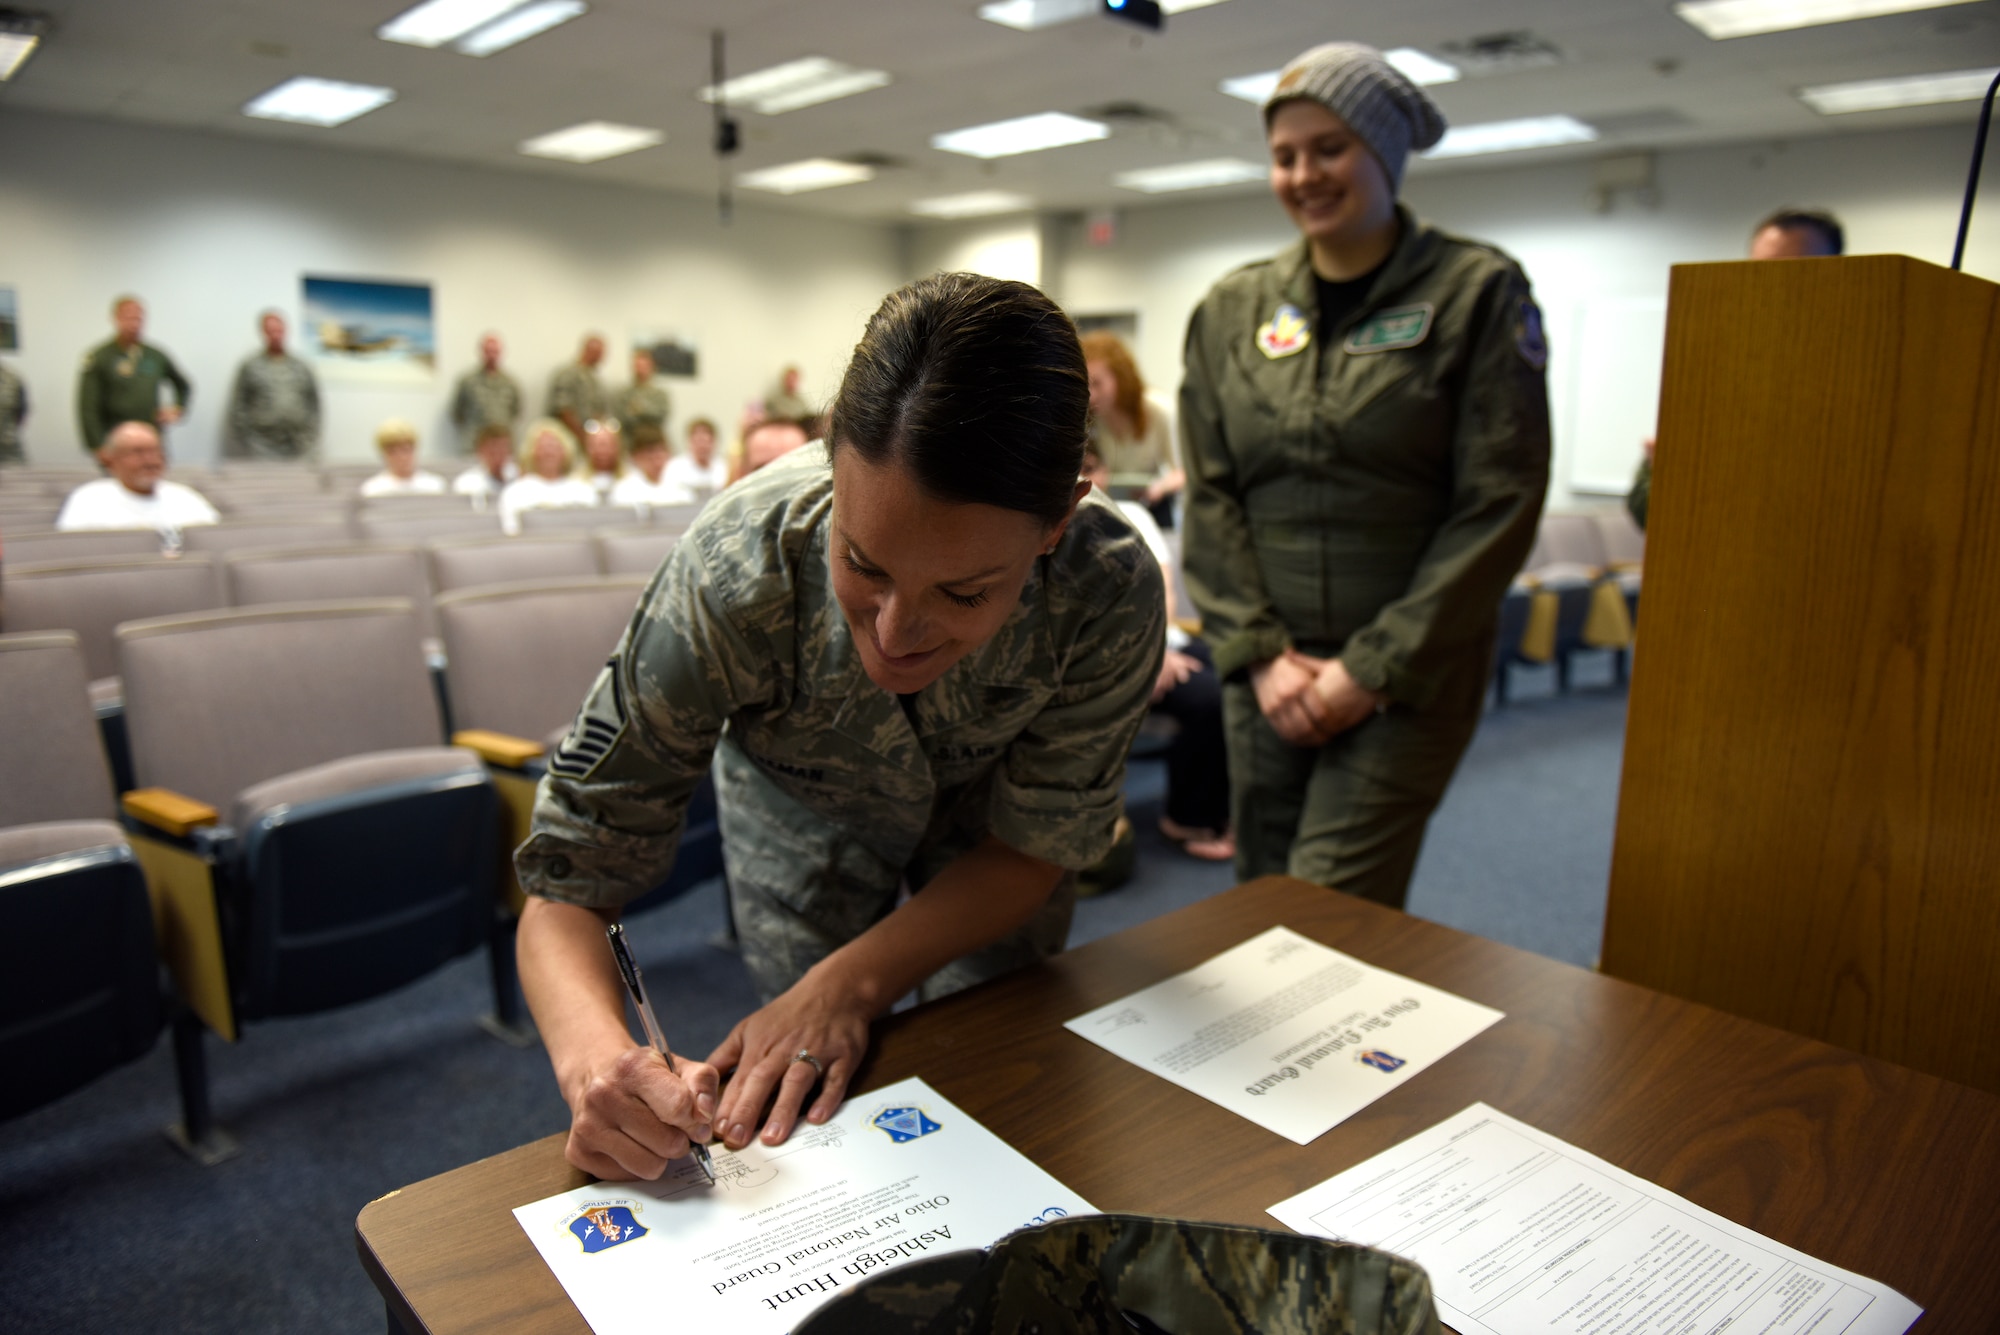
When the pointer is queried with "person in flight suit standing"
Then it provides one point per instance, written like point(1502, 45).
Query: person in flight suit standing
point(120, 380)
point(1367, 443)
point(274, 402)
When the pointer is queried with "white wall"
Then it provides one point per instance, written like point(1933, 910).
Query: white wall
point(210, 229)
point(1895, 191)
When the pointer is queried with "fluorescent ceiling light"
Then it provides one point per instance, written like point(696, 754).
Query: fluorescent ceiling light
point(1744, 18)
point(1420, 68)
point(1416, 66)
point(1252, 88)
point(525, 22)
point(1023, 134)
point(810, 174)
point(972, 204)
point(318, 101)
point(1028, 15)
point(1915, 90)
point(440, 21)
point(592, 141)
point(1508, 136)
point(15, 48)
point(796, 83)
point(1179, 6)
point(1190, 175)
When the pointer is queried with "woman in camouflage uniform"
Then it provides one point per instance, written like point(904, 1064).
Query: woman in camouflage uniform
point(1367, 437)
point(916, 662)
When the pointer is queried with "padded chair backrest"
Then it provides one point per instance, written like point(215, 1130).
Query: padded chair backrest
point(674, 517)
point(38, 548)
point(1571, 538)
point(519, 658)
point(633, 551)
point(319, 575)
point(281, 533)
point(1624, 543)
point(473, 563)
point(217, 701)
point(290, 510)
point(92, 597)
point(398, 525)
point(571, 518)
point(52, 765)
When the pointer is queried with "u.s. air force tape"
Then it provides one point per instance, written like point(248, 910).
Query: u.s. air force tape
point(599, 725)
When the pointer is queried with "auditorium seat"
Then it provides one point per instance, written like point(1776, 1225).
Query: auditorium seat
point(398, 525)
point(633, 551)
point(92, 596)
point(577, 518)
point(318, 574)
point(471, 562)
point(80, 986)
point(39, 548)
point(329, 847)
point(519, 660)
point(234, 536)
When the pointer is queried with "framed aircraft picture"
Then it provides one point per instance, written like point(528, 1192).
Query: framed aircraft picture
point(370, 332)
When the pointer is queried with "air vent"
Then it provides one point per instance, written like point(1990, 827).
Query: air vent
point(1502, 53)
point(881, 162)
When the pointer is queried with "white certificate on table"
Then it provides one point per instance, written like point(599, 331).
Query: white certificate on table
point(1523, 1233)
point(896, 1175)
point(1291, 1034)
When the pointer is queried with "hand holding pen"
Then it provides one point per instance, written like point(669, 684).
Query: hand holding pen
point(628, 969)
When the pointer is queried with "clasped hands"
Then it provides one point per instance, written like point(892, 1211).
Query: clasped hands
point(631, 1116)
point(1309, 701)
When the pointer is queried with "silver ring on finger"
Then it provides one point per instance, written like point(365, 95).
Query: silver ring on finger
point(802, 1055)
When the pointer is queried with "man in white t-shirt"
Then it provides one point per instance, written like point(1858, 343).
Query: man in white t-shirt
point(701, 471)
point(135, 495)
point(486, 479)
point(647, 485)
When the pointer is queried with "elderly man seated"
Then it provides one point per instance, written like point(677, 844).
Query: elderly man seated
point(135, 495)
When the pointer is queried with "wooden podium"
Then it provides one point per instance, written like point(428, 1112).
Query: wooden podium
point(1809, 824)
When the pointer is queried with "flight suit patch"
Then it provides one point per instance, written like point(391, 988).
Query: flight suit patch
point(1530, 340)
point(1286, 332)
point(1385, 331)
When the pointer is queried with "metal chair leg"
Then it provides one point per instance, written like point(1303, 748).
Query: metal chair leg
point(196, 1135)
point(508, 1021)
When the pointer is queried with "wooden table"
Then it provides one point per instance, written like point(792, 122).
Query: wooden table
point(1857, 1162)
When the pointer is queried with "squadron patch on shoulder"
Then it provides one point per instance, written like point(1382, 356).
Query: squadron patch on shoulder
point(1286, 332)
point(1386, 331)
point(599, 725)
point(1530, 340)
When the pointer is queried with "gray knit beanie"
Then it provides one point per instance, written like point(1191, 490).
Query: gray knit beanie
point(1376, 99)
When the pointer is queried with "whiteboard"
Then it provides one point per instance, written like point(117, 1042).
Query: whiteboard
point(1614, 389)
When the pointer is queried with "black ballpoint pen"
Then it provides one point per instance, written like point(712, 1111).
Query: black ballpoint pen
point(628, 969)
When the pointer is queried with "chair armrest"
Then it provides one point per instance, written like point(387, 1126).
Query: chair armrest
point(1189, 625)
point(169, 811)
point(498, 748)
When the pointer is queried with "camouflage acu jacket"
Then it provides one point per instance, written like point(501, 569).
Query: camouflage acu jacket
point(1116, 1274)
point(739, 651)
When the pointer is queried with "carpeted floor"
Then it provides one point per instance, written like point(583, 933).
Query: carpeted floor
point(103, 1227)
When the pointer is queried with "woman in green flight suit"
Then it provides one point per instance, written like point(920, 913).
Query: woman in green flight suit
point(1367, 440)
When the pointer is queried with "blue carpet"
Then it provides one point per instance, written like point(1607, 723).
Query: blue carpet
point(103, 1227)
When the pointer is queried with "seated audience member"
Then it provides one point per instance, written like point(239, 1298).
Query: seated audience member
point(603, 463)
point(547, 481)
point(767, 441)
point(487, 478)
point(134, 494)
point(1794, 234)
point(1197, 815)
point(397, 440)
point(701, 470)
point(647, 484)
